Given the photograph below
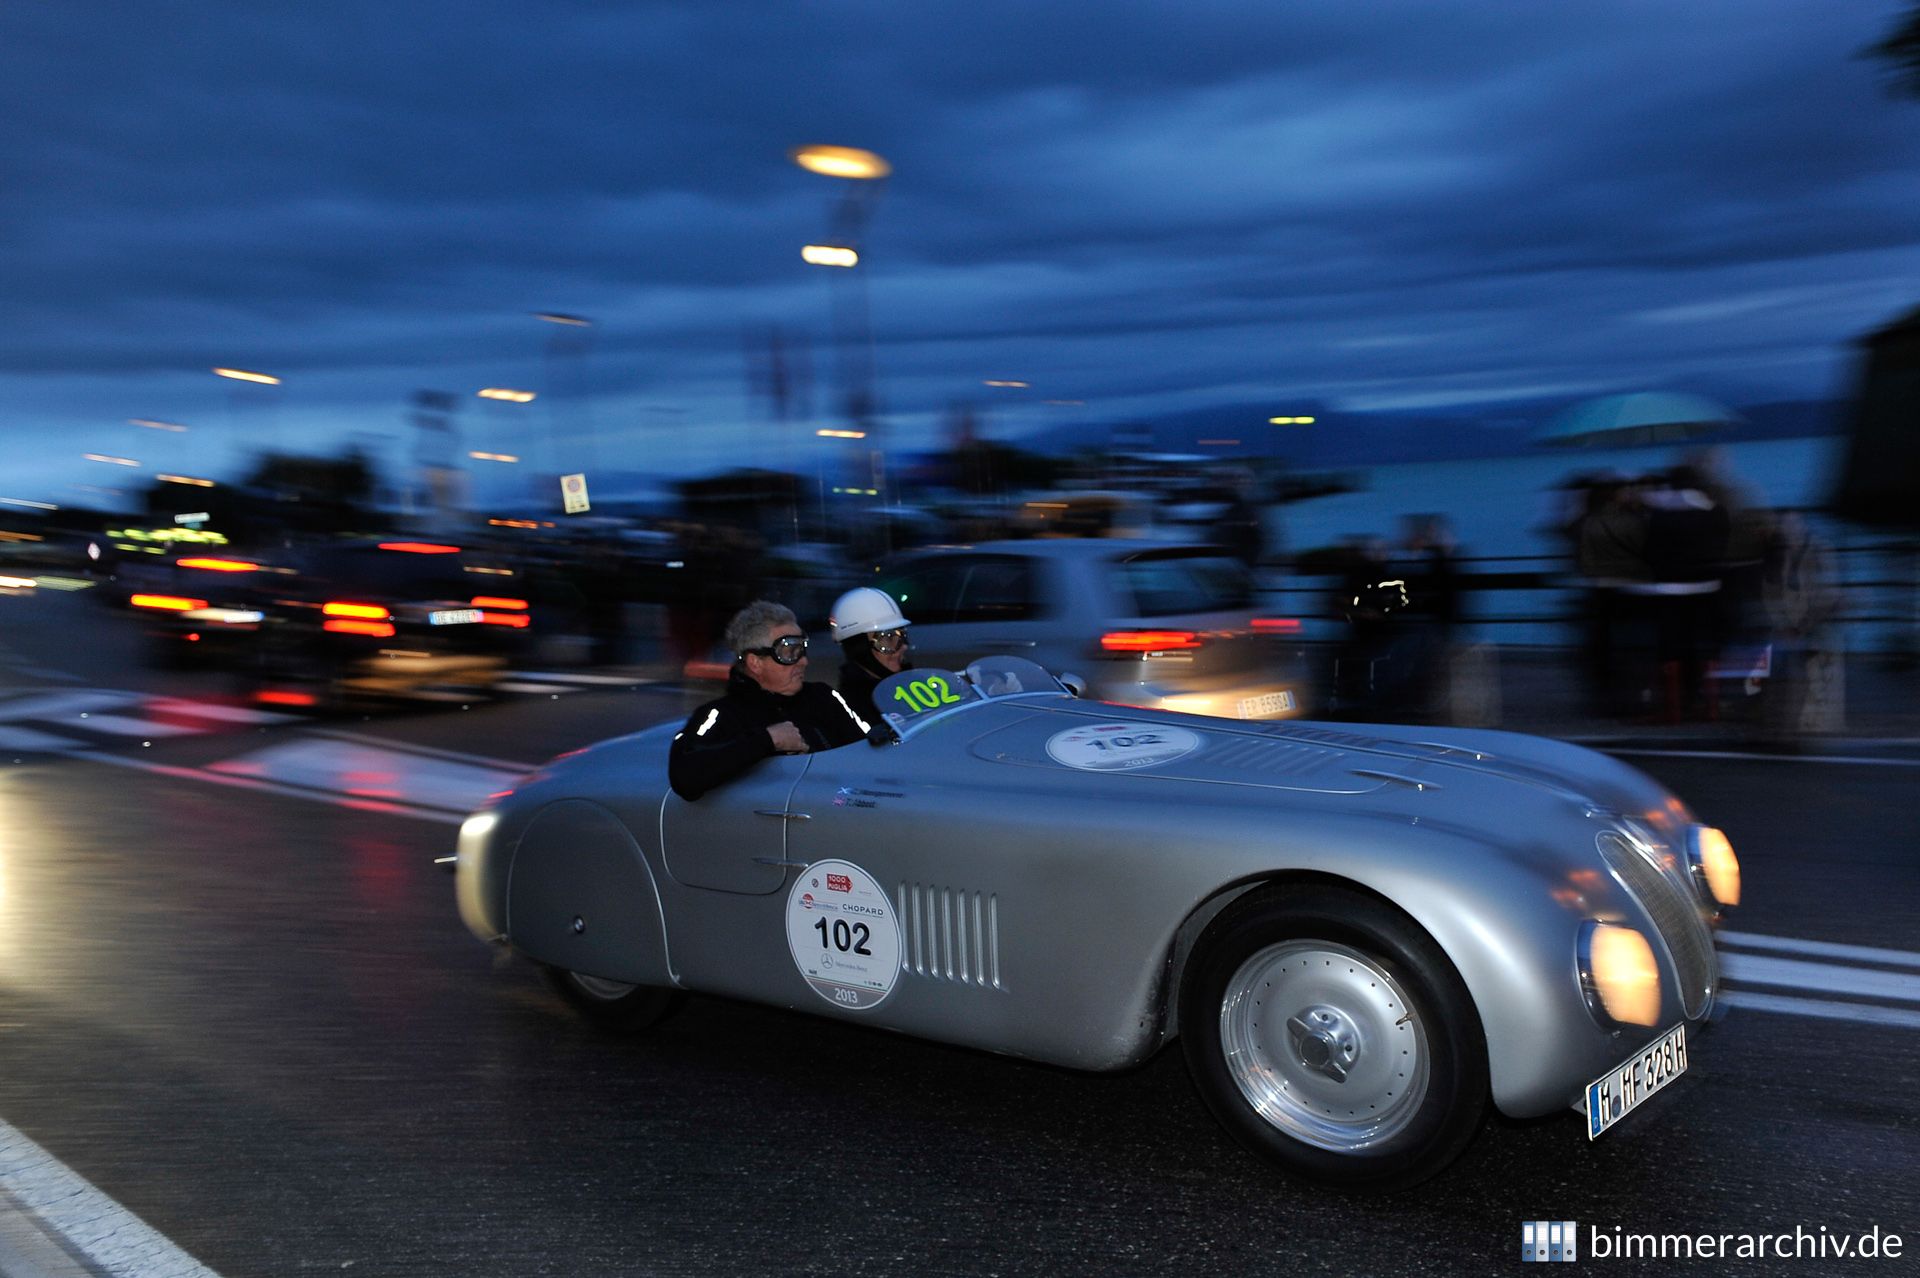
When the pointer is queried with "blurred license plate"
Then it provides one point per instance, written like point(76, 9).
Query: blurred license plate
point(454, 617)
point(1265, 705)
point(1616, 1093)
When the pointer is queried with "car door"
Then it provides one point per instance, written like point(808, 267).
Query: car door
point(734, 837)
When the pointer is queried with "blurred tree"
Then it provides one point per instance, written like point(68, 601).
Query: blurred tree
point(1901, 49)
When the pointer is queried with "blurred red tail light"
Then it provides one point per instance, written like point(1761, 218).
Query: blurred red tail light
point(217, 565)
point(1149, 641)
point(365, 612)
point(167, 603)
point(341, 626)
point(1277, 625)
point(518, 620)
point(420, 547)
point(273, 697)
point(496, 601)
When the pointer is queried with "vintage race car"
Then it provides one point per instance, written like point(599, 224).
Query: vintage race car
point(1359, 938)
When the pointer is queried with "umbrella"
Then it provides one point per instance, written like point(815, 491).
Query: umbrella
point(1623, 421)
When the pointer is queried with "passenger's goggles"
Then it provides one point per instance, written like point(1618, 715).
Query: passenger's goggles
point(888, 642)
point(787, 649)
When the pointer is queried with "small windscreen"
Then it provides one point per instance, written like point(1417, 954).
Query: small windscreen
point(913, 697)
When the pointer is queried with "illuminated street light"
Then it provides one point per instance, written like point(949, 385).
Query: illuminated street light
point(1290, 421)
point(841, 434)
point(111, 461)
point(22, 501)
point(151, 424)
point(840, 162)
point(559, 317)
point(185, 479)
point(508, 394)
point(829, 255)
point(243, 375)
point(1014, 385)
point(494, 457)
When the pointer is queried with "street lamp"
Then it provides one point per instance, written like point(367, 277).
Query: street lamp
point(572, 336)
point(246, 375)
point(864, 173)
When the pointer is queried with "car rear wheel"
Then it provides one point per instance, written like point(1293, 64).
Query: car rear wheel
point(614, 1005)
point(1331, 1036)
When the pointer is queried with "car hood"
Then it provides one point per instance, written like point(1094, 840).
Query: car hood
point(1319, 758)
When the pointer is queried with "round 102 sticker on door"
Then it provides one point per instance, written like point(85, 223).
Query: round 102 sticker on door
point(843, 934)
point(1117, 747)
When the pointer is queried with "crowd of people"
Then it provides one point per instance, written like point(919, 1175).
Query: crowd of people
point(1693, 591)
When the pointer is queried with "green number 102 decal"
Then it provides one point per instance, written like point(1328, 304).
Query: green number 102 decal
point(929, 693)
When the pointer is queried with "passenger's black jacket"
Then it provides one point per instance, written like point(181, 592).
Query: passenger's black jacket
point(728, 735)
point(859, 676)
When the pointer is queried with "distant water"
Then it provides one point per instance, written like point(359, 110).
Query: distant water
point(1510, 506)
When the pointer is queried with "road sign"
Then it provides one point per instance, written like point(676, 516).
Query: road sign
point(573, 490)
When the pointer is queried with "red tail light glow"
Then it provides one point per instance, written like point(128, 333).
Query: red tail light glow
point(1149, 640)
point(167, 603)
point(420, 547)
point(518, 620)
point(495, 601)
point(366, 612)
point(342, 626)
point(271, 698)
point(1277, 625)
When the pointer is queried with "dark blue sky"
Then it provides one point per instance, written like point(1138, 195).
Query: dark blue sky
point(1147, 207)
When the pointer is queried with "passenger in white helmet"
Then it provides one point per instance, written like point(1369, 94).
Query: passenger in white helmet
point(873, 635)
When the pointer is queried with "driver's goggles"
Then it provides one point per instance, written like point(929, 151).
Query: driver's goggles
point(888, 642)
point(787, 649)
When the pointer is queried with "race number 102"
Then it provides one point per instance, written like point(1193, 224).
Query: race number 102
point(848, 939)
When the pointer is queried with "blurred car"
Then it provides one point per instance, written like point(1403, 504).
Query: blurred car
point(203, 610)
point(1360, 939)
point(398, 619)
point(1144, 623)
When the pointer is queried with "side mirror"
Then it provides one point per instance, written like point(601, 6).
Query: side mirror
point(1074, 684)
point(883, 734)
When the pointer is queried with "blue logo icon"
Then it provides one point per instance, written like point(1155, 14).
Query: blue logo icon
point(1549, 1240)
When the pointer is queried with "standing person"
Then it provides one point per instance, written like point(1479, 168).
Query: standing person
point(769, 707)
point(873, 635)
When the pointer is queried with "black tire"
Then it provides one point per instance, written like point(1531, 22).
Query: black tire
point(1330, 1035)
point(613, 1005)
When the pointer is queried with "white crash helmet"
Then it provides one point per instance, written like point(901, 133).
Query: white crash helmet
point(863, 610)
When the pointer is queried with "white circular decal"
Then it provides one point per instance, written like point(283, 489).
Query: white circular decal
point(1118, 747)
point(844, 938)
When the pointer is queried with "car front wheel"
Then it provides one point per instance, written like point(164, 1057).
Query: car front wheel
point(1329, 1034)
point(613, 1005)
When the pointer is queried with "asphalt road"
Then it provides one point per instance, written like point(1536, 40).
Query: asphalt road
point(248, 1014)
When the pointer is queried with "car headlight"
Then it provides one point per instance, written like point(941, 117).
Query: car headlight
point(1710, 857)
point(1618, 975)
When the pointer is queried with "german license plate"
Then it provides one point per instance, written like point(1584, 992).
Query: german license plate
point(1265, 706)
point(1619, 1091)
point(454, 617)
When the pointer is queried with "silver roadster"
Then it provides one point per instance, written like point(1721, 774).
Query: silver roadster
point(1360, 938)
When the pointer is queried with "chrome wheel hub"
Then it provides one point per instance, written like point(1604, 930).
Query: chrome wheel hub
point(1324, 1044)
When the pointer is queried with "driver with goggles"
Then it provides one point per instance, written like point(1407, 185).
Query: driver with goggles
point(769, 708)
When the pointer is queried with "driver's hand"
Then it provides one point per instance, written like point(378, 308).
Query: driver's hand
point(787, 739)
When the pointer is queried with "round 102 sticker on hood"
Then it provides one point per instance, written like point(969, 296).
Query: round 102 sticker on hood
point(1119, 747)
point(843, 934)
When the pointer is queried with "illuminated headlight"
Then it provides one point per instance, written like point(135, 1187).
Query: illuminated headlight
point(474, 831)
point(1618, 975)
point(1710, 857)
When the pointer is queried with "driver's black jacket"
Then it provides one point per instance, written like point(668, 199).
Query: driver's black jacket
point(728, 735)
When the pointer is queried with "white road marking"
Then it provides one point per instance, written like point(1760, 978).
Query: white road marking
point(551, 689)
point(1823, 949)
point(515, 766)
point(384, 807)
point(1823, 1009)
point(1856, 760)
point(369, 772)
point(214, 710)
point(14, 738)
point(611, 681)
point(124, 726)
point(100, 1230)
point(1826, 978)
point(63, 705)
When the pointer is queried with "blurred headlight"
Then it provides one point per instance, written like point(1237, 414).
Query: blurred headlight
point(1711, 857)
point(1618, 975)
point(474, 831)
